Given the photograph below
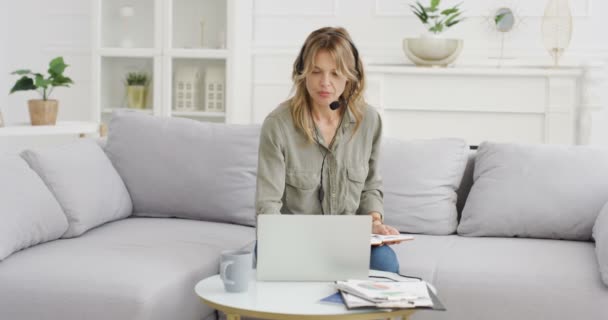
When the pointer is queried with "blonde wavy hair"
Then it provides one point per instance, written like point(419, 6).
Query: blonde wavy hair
point(337, 42)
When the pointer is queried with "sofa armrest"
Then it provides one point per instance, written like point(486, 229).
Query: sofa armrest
point(600, 234)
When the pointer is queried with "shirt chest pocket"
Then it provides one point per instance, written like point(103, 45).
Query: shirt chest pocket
point(355, 181)
point(301, 192)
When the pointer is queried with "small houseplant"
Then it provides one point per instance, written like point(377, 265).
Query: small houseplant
point(43, 111)
point(431, 49)
point(137, 89)
point(435, 19)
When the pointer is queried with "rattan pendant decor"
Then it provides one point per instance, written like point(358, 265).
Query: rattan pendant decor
point(557, 28)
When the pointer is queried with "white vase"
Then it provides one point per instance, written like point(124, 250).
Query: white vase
point(432, 51)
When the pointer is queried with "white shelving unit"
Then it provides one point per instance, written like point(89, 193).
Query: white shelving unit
point(196, 45)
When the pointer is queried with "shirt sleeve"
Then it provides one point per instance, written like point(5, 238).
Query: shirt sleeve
point(270, 183)
point(372, 195)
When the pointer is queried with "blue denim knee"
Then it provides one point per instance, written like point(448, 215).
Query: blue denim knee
point(383, 258)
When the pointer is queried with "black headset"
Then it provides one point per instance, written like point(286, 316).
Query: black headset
point(300, 64)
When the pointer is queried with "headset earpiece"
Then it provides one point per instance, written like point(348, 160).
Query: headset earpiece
point(300, 63)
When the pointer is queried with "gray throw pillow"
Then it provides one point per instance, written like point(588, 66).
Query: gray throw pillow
point(85, 183)
point(30, 214)
point(600, 234)
point(176, 167)
point(536, 191)
point(420, 179)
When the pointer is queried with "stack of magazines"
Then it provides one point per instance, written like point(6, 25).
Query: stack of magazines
point(383, 294)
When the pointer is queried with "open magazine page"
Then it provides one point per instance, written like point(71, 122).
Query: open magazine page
point(351, 301)
point(377, 239)
point(411, 292)
point(382, 291)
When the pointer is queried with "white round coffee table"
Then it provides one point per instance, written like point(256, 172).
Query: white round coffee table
point(284, 300)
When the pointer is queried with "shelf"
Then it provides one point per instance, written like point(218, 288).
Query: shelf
point(177, 53)
point(61, 128)
point(111, 110)
point(186, 47)
point(201, 114)
point(199, 53)
point(129, 53)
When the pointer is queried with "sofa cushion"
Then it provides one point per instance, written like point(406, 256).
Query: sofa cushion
point(539, 191)
point(135, 268)
point(183, 168)
point(507, 278)
point(85, 183)
point(30, 214)
point(420, 180)
point(600, 234)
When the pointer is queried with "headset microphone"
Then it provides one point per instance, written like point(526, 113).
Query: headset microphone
point(334, 105)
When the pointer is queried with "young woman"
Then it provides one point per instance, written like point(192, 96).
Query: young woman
point(319, 150)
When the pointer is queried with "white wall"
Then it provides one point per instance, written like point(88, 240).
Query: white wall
point(378, 27)
point(34, 31)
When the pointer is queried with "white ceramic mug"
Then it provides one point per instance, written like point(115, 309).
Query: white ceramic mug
point(236, 269)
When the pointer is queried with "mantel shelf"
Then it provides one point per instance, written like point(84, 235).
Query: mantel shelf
point(475, 70)
point(61, 128)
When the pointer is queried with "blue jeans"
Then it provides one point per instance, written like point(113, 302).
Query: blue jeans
point(383, 258)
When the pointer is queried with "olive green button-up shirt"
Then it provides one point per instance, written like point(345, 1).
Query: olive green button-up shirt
point(289, 167)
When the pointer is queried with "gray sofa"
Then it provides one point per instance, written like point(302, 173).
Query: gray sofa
point(124, 231)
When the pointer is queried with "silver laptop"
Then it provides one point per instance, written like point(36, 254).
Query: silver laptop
point(313, 248)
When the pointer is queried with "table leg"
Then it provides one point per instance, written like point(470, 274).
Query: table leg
point(233, 317)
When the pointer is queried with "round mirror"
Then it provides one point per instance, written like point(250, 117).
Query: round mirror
point(504, 19)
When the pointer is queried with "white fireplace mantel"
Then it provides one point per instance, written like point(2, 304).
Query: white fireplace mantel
point(509, 104)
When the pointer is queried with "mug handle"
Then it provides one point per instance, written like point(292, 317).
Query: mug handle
point(223, 267)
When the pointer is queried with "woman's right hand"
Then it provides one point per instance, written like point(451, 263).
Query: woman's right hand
point(379, 228)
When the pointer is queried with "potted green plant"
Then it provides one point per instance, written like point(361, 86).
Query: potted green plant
point(43, 111)
point(137, 89)
point(431, 49)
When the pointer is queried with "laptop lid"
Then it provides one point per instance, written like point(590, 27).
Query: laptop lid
point(313, 248)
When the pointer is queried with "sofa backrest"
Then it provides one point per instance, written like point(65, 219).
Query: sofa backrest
point(420, 182)
point(84, 182)
point(183, 168)
point(30, 213)
point(536, 191)
point(174, 167)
